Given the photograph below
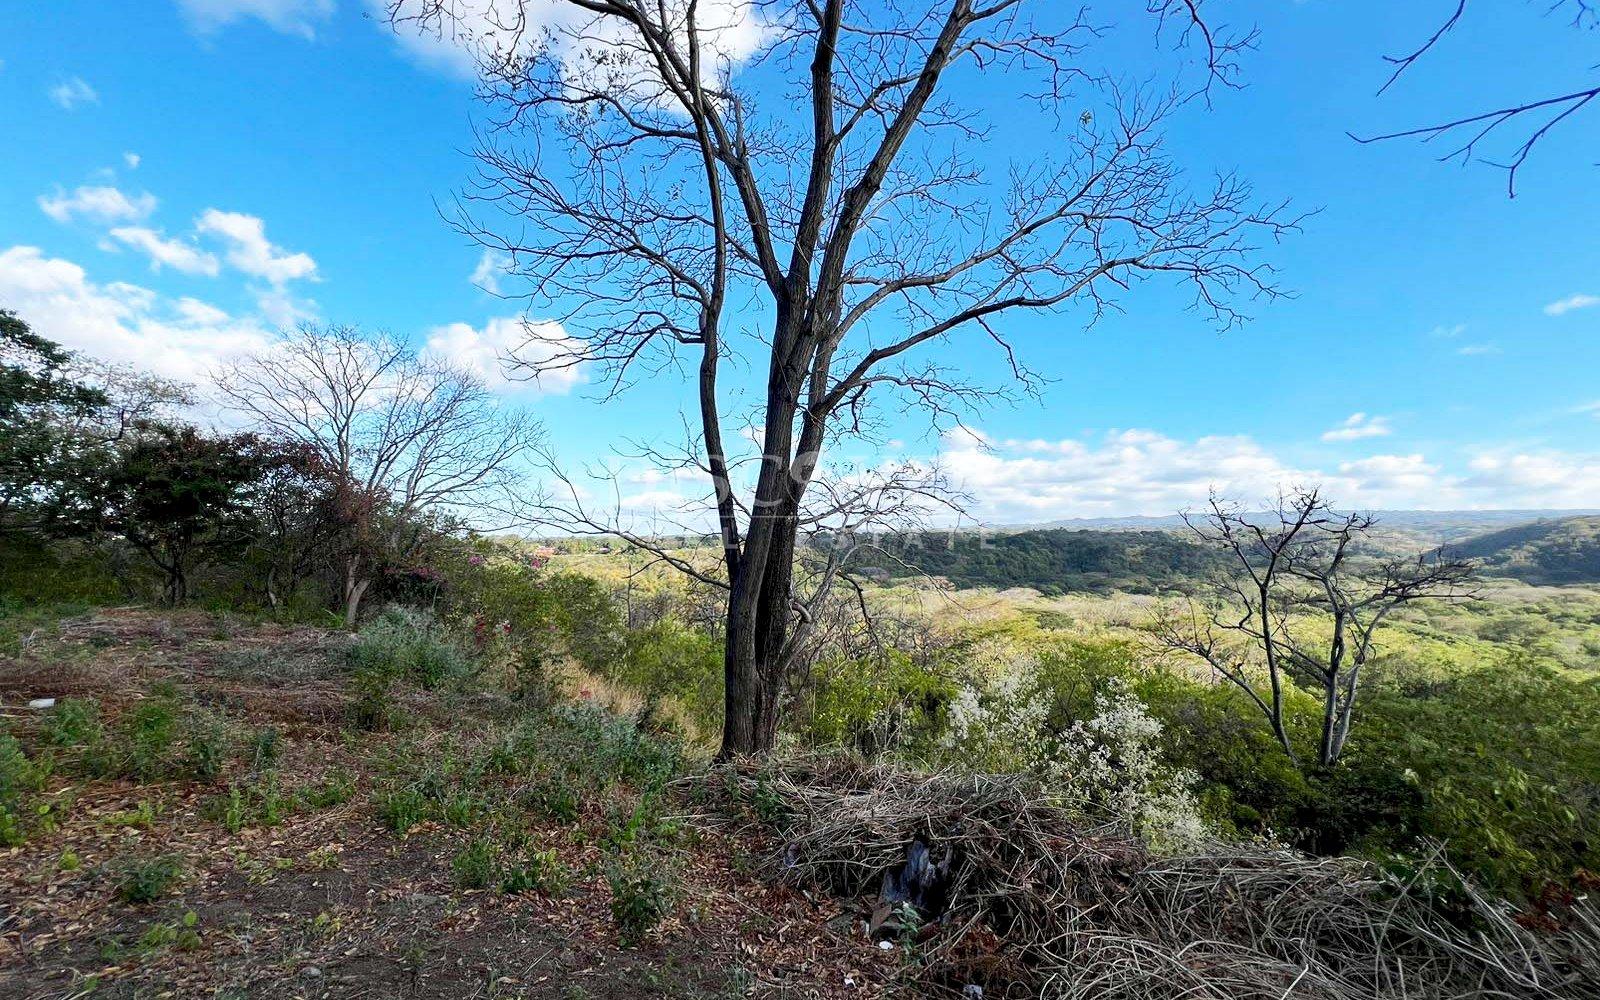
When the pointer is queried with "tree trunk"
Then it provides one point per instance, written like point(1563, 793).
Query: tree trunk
point(753, 665)
point(355, 586)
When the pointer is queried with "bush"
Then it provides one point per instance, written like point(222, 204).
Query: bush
point(19, 778)
point(146, 880)
point(410, 644)
point(474, 865)
point(539, 871)
point(72, 722)
point(401, 809)
point(643, 892)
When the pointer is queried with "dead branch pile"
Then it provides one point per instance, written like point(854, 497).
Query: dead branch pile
point(1040, 905)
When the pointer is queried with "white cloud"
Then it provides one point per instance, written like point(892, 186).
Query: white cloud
point(132, 160)
point(1144, 472)
point(730, 30)
point(1571, 302)
point(492, 266)
point(163, 252)
point(1478, 350)
point(1448, 331)
point(1358, 426)
point(292, 17)
point(98, 203)
point(119, 322)
point(1536, 479)
point(250, 251)
point(536, 343)
point(72, 92)
point(1593, 409)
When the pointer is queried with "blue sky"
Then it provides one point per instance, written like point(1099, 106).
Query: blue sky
point(183, 177)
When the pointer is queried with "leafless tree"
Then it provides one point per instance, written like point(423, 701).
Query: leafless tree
point(1528, 120)
point(407, 437)
point(818, 213)
point(1295, 608)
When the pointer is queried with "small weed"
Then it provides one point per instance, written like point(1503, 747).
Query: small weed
point(150, 729)
point(146, 880)
point(336, 788)
point(401, 809)
point(68, 862)
point(542, 872)
point(461, 809)
point(642, 895)
point(266, 746)
point(206, 750)
point(322, 859)
point(140, 817)
point(474, 865)
point(72, 722)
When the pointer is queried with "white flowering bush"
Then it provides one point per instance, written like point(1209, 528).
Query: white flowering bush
point(1110, 765)
point(999, 729)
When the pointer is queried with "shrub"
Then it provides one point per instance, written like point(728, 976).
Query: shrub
point(146, 880)
point(206, 749)
point(539, 871)
point(72, 722)
point(643, 892)
point(403, 642)
point(19, 777)
point(474, 865)
point(401, 809)
point(149, 731)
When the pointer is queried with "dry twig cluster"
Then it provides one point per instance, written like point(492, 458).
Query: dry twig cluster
point(1039, 904)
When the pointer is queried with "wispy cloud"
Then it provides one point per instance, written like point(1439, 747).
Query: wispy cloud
point(1478, 350)
point(1444, 331)
point(99, 203)
point(163, 252)
point(1561, 307)
point(72, 92)
point(292, 17)
point(1358, 426)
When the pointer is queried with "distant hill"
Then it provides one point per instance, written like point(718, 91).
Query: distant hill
point(1053, 561)
point(1435, 526)
point(1565, 550)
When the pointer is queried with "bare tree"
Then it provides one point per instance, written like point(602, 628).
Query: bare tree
point(816, 213)
point(1528, 120)
point(1295, 609)
point(407, 437)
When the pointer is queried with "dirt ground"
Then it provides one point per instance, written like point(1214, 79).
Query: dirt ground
point(328, 902)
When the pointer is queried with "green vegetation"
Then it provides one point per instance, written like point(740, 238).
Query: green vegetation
point(1053, 561)
point(1543, 553)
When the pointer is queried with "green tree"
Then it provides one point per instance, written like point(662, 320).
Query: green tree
point(178, 496)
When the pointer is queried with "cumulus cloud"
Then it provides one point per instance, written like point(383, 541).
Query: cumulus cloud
point(1358, 426)
point(1135, 472)
point(1561, 307)
point(163, 252)
point(485, 351)
point(132, 160)
point(97, 203)
point(292, 17)
point(249, 250)
point(120, 322)
point(729, 30)
point(70, 93)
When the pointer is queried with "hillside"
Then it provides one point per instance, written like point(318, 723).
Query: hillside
point(1052, 561)
point(1547, 552)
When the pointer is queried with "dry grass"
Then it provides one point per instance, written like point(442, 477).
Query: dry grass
point(1041, 906)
